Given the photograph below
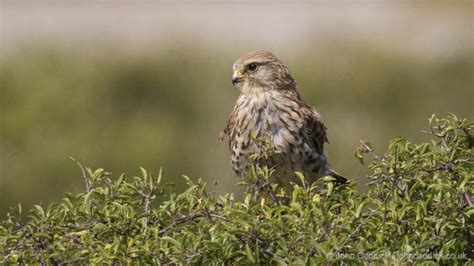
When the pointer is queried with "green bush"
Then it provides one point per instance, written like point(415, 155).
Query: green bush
point(418, 208)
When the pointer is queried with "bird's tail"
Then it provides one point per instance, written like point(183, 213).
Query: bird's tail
point(339, 178)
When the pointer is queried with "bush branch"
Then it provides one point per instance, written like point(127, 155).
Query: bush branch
point(88, 188)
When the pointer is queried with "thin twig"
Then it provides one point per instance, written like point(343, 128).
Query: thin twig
point(9, 251)
point(468, 198)
point(181, 221)
point(444, 167)
point(223, 218)
point(268, 252)
point(376, 157)
point(265, 250)
point(372, 212)
point(147, 205)
point(445, 145)
point(83, 172)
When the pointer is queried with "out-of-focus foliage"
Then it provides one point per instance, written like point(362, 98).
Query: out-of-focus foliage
point(418, 207)
point(119, 109)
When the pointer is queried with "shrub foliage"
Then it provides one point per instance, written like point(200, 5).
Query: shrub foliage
point(418, 208)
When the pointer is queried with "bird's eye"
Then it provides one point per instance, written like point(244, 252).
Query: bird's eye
point(252, 66)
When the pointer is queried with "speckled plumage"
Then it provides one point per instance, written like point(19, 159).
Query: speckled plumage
point(269, 104)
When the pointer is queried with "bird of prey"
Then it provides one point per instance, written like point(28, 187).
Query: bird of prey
point(270, 105)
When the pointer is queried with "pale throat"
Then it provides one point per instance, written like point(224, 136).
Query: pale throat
point(254, 91)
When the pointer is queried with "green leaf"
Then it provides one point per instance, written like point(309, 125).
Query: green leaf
point(330, 188)
point(144, 173)
point(469, 212)
point(249, 254)
point(159, 176)
point(40, 211)
point(171, 240)
point(359, 210)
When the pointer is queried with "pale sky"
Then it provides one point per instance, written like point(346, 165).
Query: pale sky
point(425, 29)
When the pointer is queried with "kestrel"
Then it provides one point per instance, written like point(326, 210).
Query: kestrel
point(269, 105)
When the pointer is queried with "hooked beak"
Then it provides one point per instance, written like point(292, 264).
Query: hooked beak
point(236, 77)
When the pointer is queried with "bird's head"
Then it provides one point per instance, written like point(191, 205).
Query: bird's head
point(261, 71)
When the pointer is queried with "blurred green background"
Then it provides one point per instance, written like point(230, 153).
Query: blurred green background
point(120, 86)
